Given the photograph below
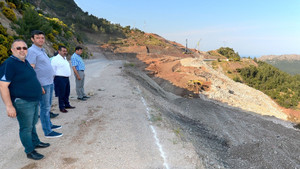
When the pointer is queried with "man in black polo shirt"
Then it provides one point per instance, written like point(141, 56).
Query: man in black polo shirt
point(21, 92)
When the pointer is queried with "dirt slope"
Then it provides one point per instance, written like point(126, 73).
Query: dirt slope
point(179, 71)
point(222, 135)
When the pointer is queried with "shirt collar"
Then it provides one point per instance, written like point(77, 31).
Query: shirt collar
point(61, 56)
point(14, 57)
point(38, 48)
point(19, 60)
point(77, 55)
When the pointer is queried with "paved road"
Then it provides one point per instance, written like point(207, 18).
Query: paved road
point(113, 129)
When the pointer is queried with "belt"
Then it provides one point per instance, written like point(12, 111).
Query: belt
point(80, 70)
point(62, 76)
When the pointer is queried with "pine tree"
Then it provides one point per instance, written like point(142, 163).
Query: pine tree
point(32, 21)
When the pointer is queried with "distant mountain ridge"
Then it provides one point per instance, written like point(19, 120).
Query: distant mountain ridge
point(287, 63)
point(280, 57)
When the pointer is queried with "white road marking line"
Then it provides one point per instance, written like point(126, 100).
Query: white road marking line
point(162, 153)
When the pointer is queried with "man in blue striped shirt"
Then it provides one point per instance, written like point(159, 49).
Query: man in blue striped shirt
point(78, 68)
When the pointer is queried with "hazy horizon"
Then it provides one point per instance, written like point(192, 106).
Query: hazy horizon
point(251, 28)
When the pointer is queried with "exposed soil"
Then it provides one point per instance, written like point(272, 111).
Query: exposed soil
point(223, 136)
point(190, 74)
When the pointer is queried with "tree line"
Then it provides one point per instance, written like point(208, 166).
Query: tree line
point(280, 86)
point(56, 31)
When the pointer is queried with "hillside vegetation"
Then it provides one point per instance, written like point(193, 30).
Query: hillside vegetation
point(57, 32)
point(280, 86)
point(226, 52)
point(287, 63)
point(88, 27)
point(289, 66)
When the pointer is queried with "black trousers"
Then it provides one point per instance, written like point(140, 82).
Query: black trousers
point(62, 91)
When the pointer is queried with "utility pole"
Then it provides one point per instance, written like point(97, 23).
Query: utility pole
point(198, 45)
point(186, 44)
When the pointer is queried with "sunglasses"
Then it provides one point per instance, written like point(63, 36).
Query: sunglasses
point(19, 48)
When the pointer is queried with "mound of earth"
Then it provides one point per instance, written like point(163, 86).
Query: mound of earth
point(192, 76)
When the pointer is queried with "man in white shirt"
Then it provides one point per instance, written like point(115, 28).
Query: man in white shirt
point(62, 72)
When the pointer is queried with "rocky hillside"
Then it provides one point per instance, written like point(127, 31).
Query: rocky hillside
point(189, 75)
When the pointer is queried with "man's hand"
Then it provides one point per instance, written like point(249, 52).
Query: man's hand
point(43, 91)
point(11, 111)
point(5, 94)
point(76, 73)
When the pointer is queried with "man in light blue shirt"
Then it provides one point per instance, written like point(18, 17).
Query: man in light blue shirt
point(78, 68)
point(40, 61)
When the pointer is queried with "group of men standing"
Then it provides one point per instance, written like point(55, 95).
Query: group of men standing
point(27, 80)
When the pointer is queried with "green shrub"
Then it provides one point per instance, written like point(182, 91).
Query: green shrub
point(129, 65)
point(55, 46)
point(3, 39)
point(9, 13)
point(11, 5)
point(55, 32)
point(229, 53)
point(68, 34)
point(1, 4)
point(51, 37)
point(3, 53)
point(17, 4)
point(3, 30)
point(237, 79)
point(10, 40)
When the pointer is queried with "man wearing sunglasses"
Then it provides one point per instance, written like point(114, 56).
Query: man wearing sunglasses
point(21, 91)
point(40, 61)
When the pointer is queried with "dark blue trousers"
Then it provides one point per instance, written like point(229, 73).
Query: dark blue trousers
point(62, 91)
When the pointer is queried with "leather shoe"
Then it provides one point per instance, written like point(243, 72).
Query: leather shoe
point(82, 99)
point(70, 107)
point(86, 97)
point(42, 145)
point(63, 110)
point(35, 155)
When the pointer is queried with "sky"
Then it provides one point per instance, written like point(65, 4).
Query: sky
point(251, 27)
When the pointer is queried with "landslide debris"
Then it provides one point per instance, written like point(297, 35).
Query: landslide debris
point(166, 60)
